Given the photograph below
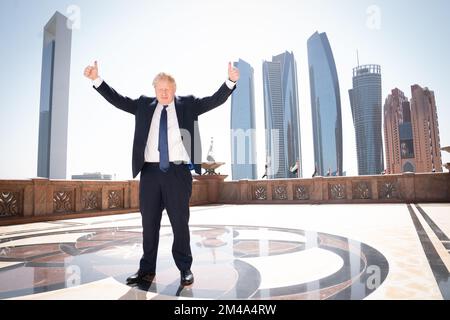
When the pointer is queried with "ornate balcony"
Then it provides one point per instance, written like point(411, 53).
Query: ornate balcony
point(405, 188)
point(32, 200)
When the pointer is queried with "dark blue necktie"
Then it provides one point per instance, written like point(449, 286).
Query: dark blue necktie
point(163, 142)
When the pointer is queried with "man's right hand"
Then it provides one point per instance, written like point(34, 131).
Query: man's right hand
point(91, 72)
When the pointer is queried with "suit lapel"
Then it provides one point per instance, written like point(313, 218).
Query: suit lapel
point(147, 113)
point(151, 110)
point(179, 108)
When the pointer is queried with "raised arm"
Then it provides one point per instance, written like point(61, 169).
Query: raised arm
point(123, 103)
point(221, 96)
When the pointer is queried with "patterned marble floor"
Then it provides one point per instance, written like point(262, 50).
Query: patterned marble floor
point(385, 251)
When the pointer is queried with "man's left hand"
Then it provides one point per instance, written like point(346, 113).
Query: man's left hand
point(233, 73)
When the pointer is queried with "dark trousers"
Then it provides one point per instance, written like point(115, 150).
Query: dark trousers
point(171, 191)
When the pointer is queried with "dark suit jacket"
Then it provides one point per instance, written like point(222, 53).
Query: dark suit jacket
point(188, 109)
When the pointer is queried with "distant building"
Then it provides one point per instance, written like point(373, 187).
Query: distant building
point(398, 134)
point(92, 176)
point(283, 145)
point(365, 100)
point(411, 132)
point(325, 106)
point(54, 108)
point(243, 139)
point(425, 126)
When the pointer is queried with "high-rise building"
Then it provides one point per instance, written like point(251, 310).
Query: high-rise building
point(411, 132)
point(325, 106)
point(365, 100)
point(398, 134)
point(54, 107)
point(425, 129)
point(92, 176)
point(243, 139)
point(283, 146)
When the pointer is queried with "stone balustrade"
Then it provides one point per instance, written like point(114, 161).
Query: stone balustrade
point(403, 188)
point(42, 199)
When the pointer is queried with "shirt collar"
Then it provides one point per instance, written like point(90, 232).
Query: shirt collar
point(169, 106)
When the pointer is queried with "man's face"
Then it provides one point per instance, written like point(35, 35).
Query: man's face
point(165, 92)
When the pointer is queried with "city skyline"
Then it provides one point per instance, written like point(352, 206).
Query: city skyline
point(96, 132)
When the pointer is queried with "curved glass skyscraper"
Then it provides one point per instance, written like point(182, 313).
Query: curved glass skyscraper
point(283, 146)
point(325, 106)
point(365, 99)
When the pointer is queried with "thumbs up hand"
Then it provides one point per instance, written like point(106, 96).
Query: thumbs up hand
point(233, 73)
point(91, 72)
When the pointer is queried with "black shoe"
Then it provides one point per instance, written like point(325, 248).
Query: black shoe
point(140, 277)
point(187, 278)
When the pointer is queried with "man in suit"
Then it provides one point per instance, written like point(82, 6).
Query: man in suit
point(166, 147)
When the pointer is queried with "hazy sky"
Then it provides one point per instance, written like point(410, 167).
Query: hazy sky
point(194, 40)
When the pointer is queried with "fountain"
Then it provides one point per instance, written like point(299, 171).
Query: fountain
point(447, 165)
point(211, 165)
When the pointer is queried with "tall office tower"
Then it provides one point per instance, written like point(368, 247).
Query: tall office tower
point(243, 138)
point(54, 108)
point(398, 134)
point(425, 130)
point(325, 106)
point(365, 100)
point(283, 145)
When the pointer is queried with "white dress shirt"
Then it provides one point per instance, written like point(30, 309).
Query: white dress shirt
point(177, 151)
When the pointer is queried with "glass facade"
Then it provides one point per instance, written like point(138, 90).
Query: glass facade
point(45, 109)
point(283, 146)
point(54, 103)
point(406, 140)
point(325, 106)
point(365, 100)
point(243, 145)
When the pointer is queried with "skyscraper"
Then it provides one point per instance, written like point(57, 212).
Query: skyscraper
point(283, 146)
point(425, 130)
point(325, 106)
point(365, 100)
point(411, 132)
point(243, 139)
point(398, 136)
point(54, 108)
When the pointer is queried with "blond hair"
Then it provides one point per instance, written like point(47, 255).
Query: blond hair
point(164, 76)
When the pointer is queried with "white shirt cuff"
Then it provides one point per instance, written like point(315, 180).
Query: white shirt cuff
point(97, 82)
point(230, 84)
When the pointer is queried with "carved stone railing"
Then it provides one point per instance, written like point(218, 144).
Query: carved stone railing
point(42, 199)
point(404, 188)
point(23, 200)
